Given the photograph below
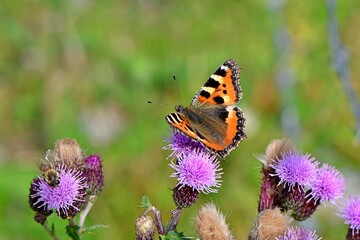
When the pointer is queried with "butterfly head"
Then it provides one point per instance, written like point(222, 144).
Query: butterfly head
point(179, 108)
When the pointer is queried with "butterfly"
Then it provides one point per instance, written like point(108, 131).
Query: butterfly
point(212, 117)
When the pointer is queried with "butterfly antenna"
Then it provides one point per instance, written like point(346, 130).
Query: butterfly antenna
point(177, 88)
point(151, 102)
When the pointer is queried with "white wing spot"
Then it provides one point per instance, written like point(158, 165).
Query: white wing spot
point(208, 89)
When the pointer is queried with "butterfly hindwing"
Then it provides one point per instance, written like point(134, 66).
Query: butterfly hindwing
point(180, 123)
point(222, 88)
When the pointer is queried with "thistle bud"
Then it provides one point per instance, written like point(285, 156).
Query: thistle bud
point(94, 174)
point(184, 196)
point(305, 209)
point(145, 228)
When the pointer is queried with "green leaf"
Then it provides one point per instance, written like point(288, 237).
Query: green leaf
point(72, 231)
point(145, 202)
point(173, 235)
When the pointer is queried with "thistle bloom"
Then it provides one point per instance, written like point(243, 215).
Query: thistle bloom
point(199, 170)
point(66, 199)
point(180, 144)
point(351, 214)
point(93, 173)
point(295, 169)
point(329, 184)
point(298, 233)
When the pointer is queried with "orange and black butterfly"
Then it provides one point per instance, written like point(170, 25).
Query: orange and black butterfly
point(212, 117)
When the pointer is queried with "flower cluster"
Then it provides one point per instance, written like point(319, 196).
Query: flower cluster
point(296, 182)
point(293, 186)
point(68, 178)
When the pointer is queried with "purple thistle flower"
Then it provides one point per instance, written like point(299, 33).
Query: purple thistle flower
point(351, 214)
point(199, 170)
point(180, 144)
point(66, 199)
point(93, 173)
point(298, 233)
point(295, 168)
point(329, 184)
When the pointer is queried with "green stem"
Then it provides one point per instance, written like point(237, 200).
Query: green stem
point(85, 212)
point(50, 231)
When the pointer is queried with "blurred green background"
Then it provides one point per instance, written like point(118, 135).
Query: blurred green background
point(84, 69)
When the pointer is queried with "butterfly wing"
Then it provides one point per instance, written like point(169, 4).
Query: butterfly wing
point(222, 88)
point(235, 124)
point(219, 129)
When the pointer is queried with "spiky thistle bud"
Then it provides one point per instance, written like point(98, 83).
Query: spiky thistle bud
point(184, 196)
point(292, 199)
point(94, 174)
point(306, 208)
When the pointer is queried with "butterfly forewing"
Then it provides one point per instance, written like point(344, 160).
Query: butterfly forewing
point(222, 88)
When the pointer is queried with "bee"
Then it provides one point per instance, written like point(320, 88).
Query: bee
point(50, 174)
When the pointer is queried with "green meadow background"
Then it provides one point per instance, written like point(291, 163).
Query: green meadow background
point(85, 69)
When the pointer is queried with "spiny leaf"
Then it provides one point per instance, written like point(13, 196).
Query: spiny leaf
point(145, 202)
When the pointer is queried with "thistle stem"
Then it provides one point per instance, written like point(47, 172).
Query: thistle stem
point(175, 216)
point(50, 231)
point(158, 220)
point(85, 212)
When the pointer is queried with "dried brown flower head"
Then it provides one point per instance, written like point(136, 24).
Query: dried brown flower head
point(210, 224)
